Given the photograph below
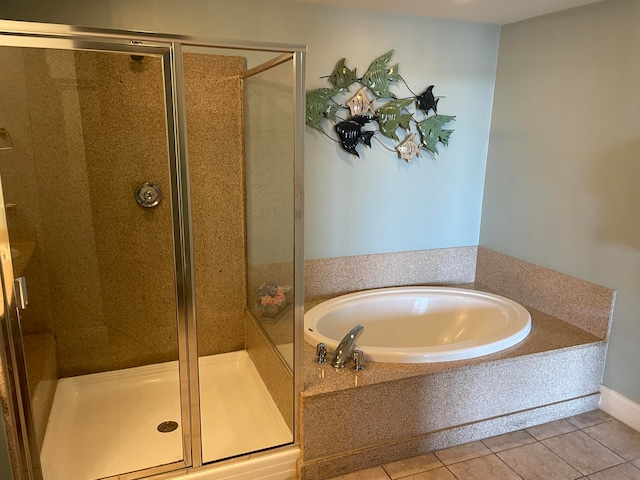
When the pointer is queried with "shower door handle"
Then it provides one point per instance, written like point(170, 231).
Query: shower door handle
point(22, 298)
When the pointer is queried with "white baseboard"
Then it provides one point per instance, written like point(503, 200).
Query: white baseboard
point(620, 407)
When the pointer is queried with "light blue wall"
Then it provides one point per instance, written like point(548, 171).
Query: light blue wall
point(378, 203)
point(353, 206)
point(564, 159)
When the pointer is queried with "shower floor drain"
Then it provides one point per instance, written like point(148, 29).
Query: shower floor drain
point(166, 427)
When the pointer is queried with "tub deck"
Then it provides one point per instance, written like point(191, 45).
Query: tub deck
point(547, 334)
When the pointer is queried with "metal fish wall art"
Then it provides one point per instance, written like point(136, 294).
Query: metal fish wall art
point(416, 117)
point(390, 117)
point(360, 104)
point(378, 78)
point(408, 148)
point(427, 101)
point(350, 133)
point(342, 77)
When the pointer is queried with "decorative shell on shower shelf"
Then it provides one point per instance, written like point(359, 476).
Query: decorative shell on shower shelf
point(273, 298)
point(374, 111)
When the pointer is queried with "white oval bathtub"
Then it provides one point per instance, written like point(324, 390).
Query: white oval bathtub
point(420, 324)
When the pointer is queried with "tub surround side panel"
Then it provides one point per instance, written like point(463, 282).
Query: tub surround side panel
point(392, 411)
point(580, 303)
point(444, 266)
point(340, 464)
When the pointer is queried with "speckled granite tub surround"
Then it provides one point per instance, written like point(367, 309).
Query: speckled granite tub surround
point(387, 412)
point(334, 276)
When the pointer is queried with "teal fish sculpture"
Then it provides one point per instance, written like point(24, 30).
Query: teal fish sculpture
point(390, 117)
point(342, 77)
point(432, 131)
point(320, 105)
point(378, 78)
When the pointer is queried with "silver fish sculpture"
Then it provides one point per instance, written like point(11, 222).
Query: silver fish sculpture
point(408, 148)
point(360, 104)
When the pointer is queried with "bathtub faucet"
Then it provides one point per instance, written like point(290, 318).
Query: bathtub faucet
point(345, 348)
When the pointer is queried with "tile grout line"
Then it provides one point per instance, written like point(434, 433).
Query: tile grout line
point(605, 446)
point(601, 444)
point(492, 453)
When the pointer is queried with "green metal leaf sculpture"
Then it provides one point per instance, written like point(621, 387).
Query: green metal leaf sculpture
point(390, 117)
point(319, 106)
point(432, 131)
point(342, 77)
point(378, 78)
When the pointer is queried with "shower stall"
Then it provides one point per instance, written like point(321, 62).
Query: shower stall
point(151, 246)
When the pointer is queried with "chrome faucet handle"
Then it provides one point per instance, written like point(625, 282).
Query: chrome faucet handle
point(358, 360)
point(321, 352)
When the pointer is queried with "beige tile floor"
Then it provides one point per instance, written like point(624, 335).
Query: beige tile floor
point(591, 446)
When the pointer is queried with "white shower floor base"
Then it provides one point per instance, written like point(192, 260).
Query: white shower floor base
point(105, 424)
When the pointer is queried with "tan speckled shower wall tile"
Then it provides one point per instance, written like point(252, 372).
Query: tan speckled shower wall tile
point(213, 92)
point(444, 266)
point(580, 303)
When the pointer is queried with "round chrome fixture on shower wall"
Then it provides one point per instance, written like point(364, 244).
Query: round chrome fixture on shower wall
point(148, 195)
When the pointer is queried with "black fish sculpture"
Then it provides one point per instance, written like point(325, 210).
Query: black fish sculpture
point(350, 133)
point(426, 101)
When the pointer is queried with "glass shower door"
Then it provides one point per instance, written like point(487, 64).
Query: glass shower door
point(246, 387)
point(88, 189)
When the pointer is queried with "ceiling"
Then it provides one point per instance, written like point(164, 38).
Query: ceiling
point(499, 12)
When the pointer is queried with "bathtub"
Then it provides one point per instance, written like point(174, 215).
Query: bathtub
point(420, 324)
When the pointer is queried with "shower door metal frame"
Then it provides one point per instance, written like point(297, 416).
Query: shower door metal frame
point(297, 53)
point(169, 48)
point(40, 39)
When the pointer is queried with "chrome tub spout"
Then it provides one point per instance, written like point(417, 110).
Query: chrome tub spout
point(345, 348)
